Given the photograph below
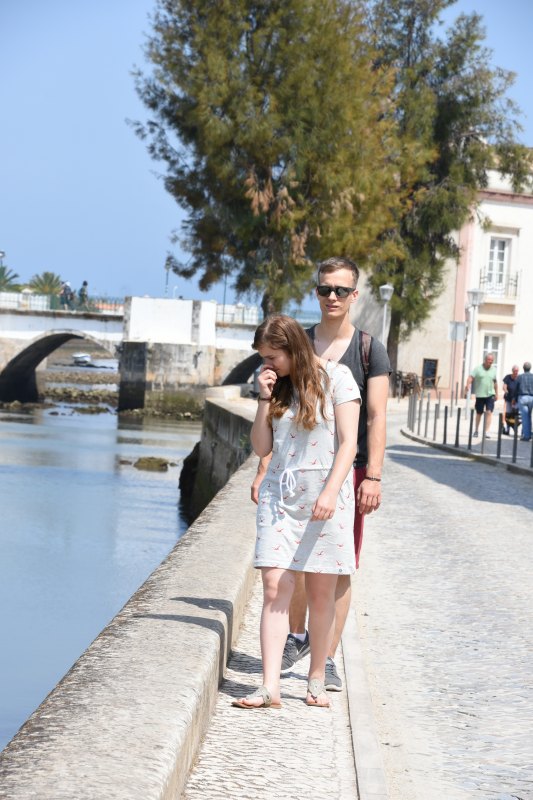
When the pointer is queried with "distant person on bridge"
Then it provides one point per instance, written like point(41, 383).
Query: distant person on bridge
point(83, 296)
point(307, 410)
point(66, 296)
point(484, 385)
point(337, 339)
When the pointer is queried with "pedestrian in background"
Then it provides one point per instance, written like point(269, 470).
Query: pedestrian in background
point(509, 390)
point(484, 385)
point(524, 400)
point(308, 409)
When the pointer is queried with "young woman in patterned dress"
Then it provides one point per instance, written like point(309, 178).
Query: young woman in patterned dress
point(307, 413)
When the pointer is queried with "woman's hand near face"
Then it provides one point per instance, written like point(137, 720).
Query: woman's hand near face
point(266, 379)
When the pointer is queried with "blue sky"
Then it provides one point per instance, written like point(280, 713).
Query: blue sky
point(78, 192)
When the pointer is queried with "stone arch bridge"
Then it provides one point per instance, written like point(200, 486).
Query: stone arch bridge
point(27, 338)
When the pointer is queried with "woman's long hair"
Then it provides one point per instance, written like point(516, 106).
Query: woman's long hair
point(307, 380)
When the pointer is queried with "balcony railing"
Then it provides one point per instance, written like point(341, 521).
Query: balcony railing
point(498, 286)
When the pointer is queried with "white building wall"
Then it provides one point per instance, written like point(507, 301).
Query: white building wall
point(431, 340)
point(172, 321)
point(207, 322)
point(505, 318)
point(149, 319)
point(508, 318)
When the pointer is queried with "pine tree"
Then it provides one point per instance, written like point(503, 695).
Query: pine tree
point(455, 119)
point(278, 138)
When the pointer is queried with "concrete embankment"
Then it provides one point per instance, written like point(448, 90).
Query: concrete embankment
point(127, 720)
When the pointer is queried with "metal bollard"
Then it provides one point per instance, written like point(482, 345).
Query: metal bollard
point(420, 414)
point(483, 432)
point(471, 428)
point(445, 425)
point(515, 443)
point(500, 428)
point(457, 424)
point(437, 414)
point(531, 459)
point(427, 416)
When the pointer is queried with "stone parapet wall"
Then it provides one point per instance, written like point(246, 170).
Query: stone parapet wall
point(224, 446)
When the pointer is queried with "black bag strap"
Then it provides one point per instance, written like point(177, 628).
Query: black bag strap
point(365, 350)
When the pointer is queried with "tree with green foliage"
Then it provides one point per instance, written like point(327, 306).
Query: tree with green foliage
point(8, 280)
point(456, 123)
point(46, 283)
point(278, 137)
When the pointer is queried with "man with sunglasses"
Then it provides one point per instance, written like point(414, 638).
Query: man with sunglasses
point(335, 338)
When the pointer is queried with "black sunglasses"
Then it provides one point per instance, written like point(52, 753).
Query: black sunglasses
point(341, 291)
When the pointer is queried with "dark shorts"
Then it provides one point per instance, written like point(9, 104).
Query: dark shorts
point(359, 474)
point(484, 404)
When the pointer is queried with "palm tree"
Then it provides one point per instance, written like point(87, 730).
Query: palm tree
point(46, 283)
point(8, 280)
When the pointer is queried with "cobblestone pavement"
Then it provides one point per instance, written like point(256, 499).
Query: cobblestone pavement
point(292, 753)
point(444, 599)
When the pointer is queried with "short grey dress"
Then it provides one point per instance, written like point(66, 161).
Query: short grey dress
point(300, 465)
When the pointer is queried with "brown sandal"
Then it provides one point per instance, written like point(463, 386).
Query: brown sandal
point(316, 688)
point(263, 693)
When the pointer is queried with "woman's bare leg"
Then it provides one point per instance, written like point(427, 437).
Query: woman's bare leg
point(298, 607)
point(321, 599)
point(343, 596)
point(278, 586)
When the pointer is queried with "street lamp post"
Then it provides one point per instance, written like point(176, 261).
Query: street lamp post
point(475, 299)
point(386, 291)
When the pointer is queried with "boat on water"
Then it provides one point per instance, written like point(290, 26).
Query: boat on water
point(82, 359)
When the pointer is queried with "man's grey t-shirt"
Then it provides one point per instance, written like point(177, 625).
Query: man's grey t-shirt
point(378, 364)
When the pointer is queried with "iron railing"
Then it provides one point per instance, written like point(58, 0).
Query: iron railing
point(494, 287)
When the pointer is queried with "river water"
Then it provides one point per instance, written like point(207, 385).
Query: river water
point(80, 531)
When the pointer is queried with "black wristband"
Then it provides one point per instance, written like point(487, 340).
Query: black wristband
point(368, 478)
point(264, 399)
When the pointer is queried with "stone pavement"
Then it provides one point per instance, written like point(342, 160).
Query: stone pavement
point(444, 631)
point(444, 599)
point(292, 753)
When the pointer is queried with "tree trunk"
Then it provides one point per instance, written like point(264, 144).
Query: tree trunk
point(267, 306)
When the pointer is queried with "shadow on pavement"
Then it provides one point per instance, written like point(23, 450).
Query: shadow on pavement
point(472, 478)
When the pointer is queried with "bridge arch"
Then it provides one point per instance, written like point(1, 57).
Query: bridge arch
point(18, 380)
point(242, 372)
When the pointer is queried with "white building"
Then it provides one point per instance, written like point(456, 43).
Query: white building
point(496, 258)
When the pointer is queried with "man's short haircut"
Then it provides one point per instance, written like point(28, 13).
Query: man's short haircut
point(335, 263)
point(527, 366)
